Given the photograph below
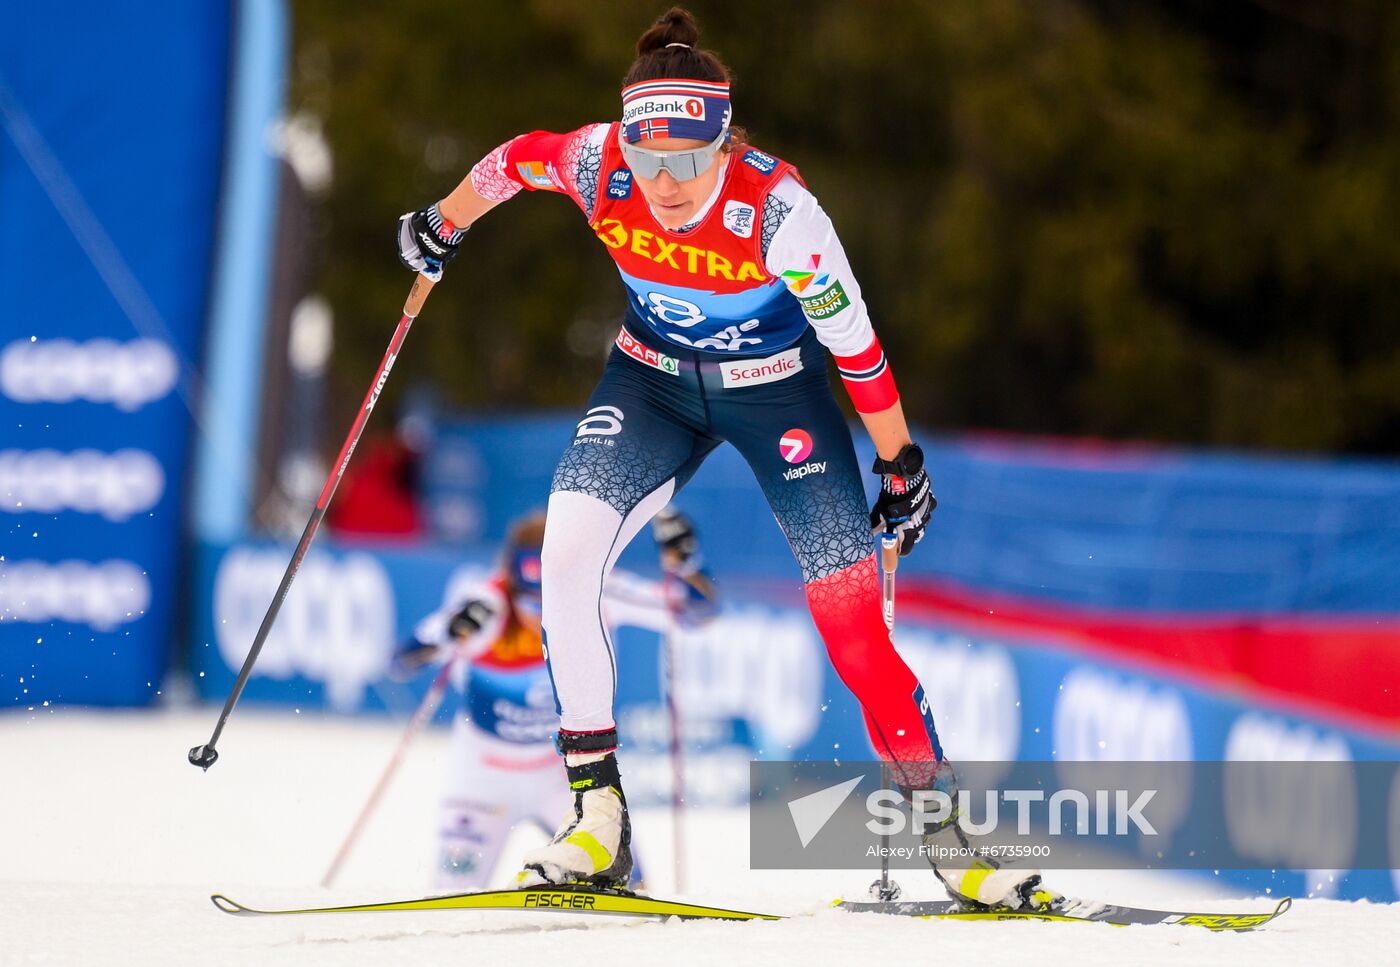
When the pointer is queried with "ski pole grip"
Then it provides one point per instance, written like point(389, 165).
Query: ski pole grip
point(889, 552)
point(419, 293)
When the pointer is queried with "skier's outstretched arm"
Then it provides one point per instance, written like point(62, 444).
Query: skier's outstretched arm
point(429, 239)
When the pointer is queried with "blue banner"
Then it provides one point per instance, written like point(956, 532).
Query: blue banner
point(111, 136)
point(1135, 528)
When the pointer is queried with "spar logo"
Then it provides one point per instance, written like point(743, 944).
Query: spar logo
point(796, 445)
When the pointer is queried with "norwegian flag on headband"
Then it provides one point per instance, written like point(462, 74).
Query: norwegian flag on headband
point(654, 128)
point(675, 109)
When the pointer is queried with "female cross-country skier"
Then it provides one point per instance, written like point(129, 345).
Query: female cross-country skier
point(735, 282)
point(502, 766)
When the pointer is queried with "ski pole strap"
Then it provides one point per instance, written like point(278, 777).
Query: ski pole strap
point(601, 740)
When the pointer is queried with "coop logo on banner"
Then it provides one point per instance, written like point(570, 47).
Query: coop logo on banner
point(973, 691)
point(758, 665)
point(1101, 717)
point(335, 627)
point(127, 375)
point(102, 595)
point(1266, 807)
point(116, 485)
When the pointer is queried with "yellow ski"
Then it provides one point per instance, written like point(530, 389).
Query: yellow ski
point(553, 899)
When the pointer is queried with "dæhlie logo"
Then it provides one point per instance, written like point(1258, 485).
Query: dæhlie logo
point(795, 445)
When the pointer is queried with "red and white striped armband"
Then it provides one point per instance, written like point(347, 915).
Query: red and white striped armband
point(868, 379)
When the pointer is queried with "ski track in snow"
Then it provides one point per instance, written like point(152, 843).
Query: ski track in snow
point(110, 844)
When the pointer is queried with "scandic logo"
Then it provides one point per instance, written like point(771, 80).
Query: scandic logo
point(754, 372)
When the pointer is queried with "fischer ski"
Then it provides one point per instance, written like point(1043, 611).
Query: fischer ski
point(1072, 911)
point(552, 899)
point(591, 900)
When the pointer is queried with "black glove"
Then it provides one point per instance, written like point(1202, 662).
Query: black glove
point(675, 538)
point(412, 657)
point(905, 500)
point(469, 620)
point(427, 241)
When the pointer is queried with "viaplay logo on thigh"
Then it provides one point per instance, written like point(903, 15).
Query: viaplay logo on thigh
point(796, 445)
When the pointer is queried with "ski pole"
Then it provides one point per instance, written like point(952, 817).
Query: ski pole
point(205, 756)
point(426, 710)
point(889, 561)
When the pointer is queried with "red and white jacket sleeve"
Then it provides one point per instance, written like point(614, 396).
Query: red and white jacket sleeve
point(806, 253)
point(540, 161)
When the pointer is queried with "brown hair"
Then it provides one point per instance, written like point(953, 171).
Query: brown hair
point(656, 60)
point(526, 533)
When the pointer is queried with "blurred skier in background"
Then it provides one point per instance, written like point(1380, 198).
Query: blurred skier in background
point(502, 766)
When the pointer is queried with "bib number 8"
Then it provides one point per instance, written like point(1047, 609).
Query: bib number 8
point(676, 312)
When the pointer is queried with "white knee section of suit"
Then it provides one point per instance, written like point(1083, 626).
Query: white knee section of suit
point(583, 538)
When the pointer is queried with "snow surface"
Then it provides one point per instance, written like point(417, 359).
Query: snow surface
point(110, 844)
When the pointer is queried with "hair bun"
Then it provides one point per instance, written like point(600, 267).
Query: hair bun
point(675, 26)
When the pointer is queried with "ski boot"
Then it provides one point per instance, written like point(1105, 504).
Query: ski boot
point(978, 882)
point(593, 845)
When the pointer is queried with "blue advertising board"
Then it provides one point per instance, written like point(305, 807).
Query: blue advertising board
point(111, 139)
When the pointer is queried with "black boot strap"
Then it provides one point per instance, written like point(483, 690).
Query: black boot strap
point(602, 741)
point(595, 775)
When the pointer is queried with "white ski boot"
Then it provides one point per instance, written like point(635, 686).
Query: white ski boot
point(593, 845)
point(978, 881)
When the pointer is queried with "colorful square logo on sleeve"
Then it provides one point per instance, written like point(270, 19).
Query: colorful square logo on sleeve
point(799, 279)
point(536, 173)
